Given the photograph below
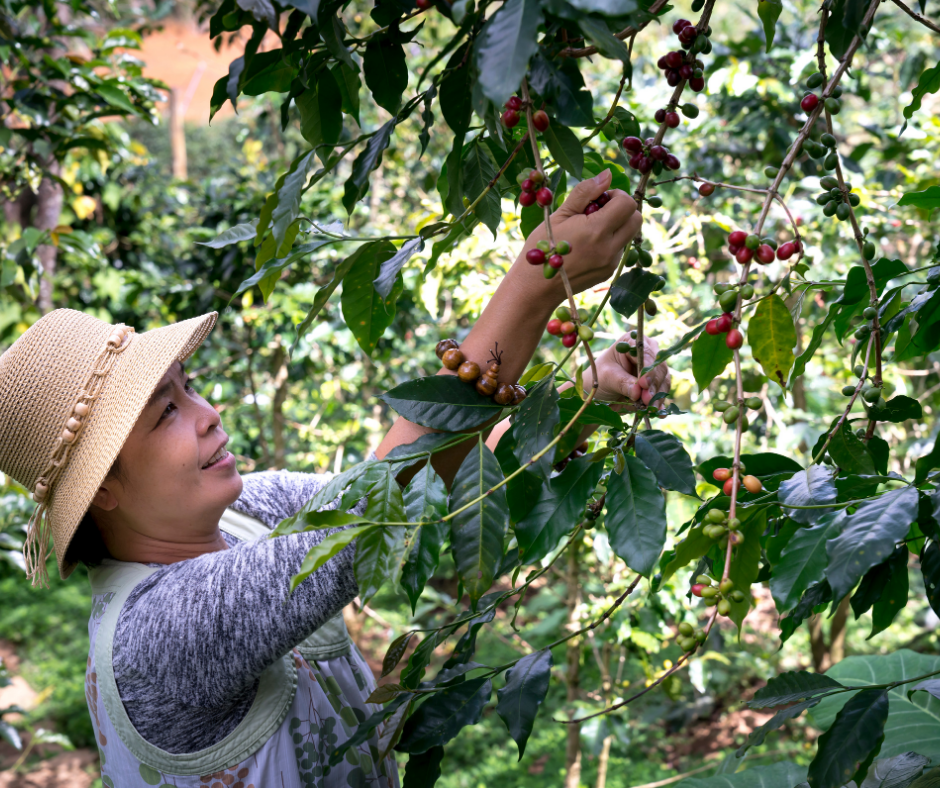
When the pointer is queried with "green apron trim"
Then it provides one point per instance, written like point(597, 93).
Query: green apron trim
point(276, 689)
point(331, 639)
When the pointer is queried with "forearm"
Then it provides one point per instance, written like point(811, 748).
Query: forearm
point(514, 319)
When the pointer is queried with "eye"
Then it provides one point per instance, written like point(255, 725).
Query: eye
point(188, 384)
point(169, 408)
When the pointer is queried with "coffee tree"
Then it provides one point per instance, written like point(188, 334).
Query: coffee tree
point(507, 80)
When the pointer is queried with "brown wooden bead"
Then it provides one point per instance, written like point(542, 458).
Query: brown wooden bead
point(68, 436)
point(520, 393)
point(452, 358)
point(80, 409)
point(73, 424)
point(444, 345)
point(486, 386)
point(469, 371)
point(504, 394)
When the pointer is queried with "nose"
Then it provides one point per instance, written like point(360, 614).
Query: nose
point(208, 418)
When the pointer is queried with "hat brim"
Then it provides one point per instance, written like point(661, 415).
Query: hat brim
point(127, 390)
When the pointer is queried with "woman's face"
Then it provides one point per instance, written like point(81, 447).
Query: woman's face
point(176, 476)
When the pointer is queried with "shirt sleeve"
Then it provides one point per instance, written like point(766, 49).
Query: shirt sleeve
point(197, 634)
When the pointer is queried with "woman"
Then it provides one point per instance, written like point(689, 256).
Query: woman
point(202, 671)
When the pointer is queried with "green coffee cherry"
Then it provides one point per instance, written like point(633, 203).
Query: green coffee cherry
point(814, 80)
point(833, 105)
point(586, 333)
point(870, 313)
point(842, 212)
point(836, 92)
point(563, 247)
point(728, 300)
point(771, 172)
point(859, 370)
point(724, 607)
point(828, 140)
point(823, 198)
point(650, 307)
point(686, 629)
point(646, 259)
point(770, 242)
point(854, 200)
point(868, 249)
point(714, 532)
point(726, 585)
point(689, 110)
point(688, 644)
point(737, 596)
point(836, 194)
point(709, 592)
point(831, 161)
point(715, 516)
point(633, 334)
point(583, 314)
point(633, 256)
point(730, 416)
point(722, 287)
point(848, 391)
point(752, 242)
point(705, 580)
point(754, 403)
point(747, 292)
point(862, 332)
point(590, 514)
point(545, 246)
point(623, 347)
point(734, 524)
point(548, 272)
point(872, 395)
point(828, 182)
point(745, 423)
point(563, 313)
point(721, 406)
point(655, 201)
point(829, 208)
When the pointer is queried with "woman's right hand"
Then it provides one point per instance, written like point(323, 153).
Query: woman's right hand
point(597, 241)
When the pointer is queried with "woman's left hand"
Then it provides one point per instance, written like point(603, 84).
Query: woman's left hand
point(618, 376)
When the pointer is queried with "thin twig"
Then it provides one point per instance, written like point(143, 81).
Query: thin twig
point(914, 15)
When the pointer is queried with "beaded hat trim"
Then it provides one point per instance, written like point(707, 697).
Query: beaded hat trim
point(36, 547)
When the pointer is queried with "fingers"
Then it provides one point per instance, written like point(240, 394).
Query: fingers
point(618, 212)
point(582, 194)
point(627, 231)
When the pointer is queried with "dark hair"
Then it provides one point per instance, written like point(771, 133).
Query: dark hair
point(87, 545)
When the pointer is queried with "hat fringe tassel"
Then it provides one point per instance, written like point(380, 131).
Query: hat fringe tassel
point(36, 547)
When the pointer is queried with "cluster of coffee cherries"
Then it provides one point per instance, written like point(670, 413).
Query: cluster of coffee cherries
point(683, 65)
point(690, 637)
point(745, 247)
point(532, 189)
point(724, 475)
point(551, 258)
point(810, 101)
point(825, 149)
point(565, 326)
point(724, 323)
point(595, 205)
point(514, 105)
point(834, 201)
point(722, 594)
point(646, 156)
point(487, 384)
point(729, 415)
point(870, 393)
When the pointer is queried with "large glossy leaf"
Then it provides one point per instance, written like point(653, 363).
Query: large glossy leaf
point(756, 737)
point(368, 160)
point(558, 508)
point(812, 487)
point(813, 601)
point(607, 44)
point(455, 89)
point(386, 72)
point(636, 516)
point(387, 279)
point(928, 199)
point(693, 546)
point(855, 732)
point(535, 426)
point(325, 550)
point(930, 569)
point(771, 335)
point(348, 82)
point(912, 724)
point(441, 402)
point(425, 494)
point(365, 311)
point(802, 563)
point(289, 196)
point(320, 107)
point(868, 537)
point(441, 717)
point(819, 331)
point(665, 456)
point(519, 701)
point(897, 772)
point(710, 356)
point(901, 408)
point(379, 554)
point(769, 12)
point(792, 686)
point(745, 563)
point(595, 413)
point(476, 534)
point(565, 148)
point(424, 772)
point(630, 290)
point(776, 775)
point(850, 453)
point(522, 491)
point(240, 232)
point(366, 729)
point(929, 82)
point(884, 588)
point(563, 86)
point(324, 293)
point(478, 169)
point(508, 40)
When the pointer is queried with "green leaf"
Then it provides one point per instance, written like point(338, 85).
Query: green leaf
point(509, 38)
point(379, 554)
point(756, 737)
point(270, 273)
point(856, 282)
point(771, 335)
point(630, 290)
point(456, 87)
point(365, 311)
point(900, 409)
point(595, 413)
point(812, 487)
point(386, 72)
point(745, 564)
point(929, 82)
point(563, 86)
point(677, 347)
point(868, 537)
point(522, 491)
point(332, 519)
point(928, 199)
point(769, 12)
point(710, 356)
point(893, 597)
point(776, 775)
point(111, 92)
point(559, 507)
point(813, 601)
point(289, 195)
point(476, 534)
point(535, 426)
point(565, 148)
point(388, 272)
point(320, 107)
point(332, 32)
point(426, 491)
point(636, 516)
point(930, 569)
point(324, 293)
point(275, 77)
point(357, 186)
point(519, 701)
point(424, 772)
point(927, 463)
point(855, 732)
point(897, 772)
point(262, 10)
point(819, 331)
point(792, 686)
point(441, 402)
point(929, 780)
point(233, 235)
point(802, 563)
point(850, 453)
point(321, 553)
point(665, 456)
point(477, 170)
point(348, 83)
point(607, 44)
point(912, 724)
point(694, 546)
point(442, 716)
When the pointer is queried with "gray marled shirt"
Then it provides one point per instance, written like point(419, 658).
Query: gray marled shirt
point(193, 638)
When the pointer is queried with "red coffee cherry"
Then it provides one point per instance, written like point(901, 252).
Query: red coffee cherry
point(711, 327)
point(556, 261)
point(660, 115)
point(632, 144)
point(540, 120)
point(510, 118)
point(568, 327)
point(526, 199)
point(544, 196)
point(592, 208)
point(528, 185)
point(554, 326)
point(635, 160)
point(661, 63)
point(679, 24)
point(672, 162)
point(721, 474)
point(688, 34)
point(658, 152)
point(513, 103)
point(645, 164)
point(728, 487)
point(735, 339)
point(698, 588)
point(686, 71)
point(786, 250)
point(535, 256)
point(424, 5)
point(706, 189)
point(725, 322)
point(744, 255)
point(672, 77)
point(569, 340)
point(603, 199)
point(765, 254)
point(733, 250)
point(737, 238)
point(674, 59)
point(810, 102)
point(697, 84)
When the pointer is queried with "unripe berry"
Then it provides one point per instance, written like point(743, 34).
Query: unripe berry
point(563, 247)
point(771, 172)
point(753, 484)
point(704, 579)
point(833, 105)
point(563, 313)
point(540, 120)
point(738, 596)
point(586, 333)
point(814, 80)
point(545, 246)
point(568, 327)
point(870, 313)
point(754, 403)
point(536, 177)
point(510, 118)
point(730, 416)
point(726, 585)
point(544, 196)
point(569, 340)
point(859, 370)
point(735, 339)
point(728, 301)
point(724, 607)
point(848, 391)
point(535, 256)
point(709, 592)
point(747, 292)
point(686, 629)
point(752, 242)
point(809, 103)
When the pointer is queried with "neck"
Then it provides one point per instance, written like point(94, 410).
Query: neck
point(176, 541)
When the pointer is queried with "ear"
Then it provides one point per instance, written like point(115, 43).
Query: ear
point(104, 499)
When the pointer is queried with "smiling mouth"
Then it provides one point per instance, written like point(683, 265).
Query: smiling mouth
point(220, 455)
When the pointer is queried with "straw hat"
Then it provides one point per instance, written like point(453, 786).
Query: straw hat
point(72, 388)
